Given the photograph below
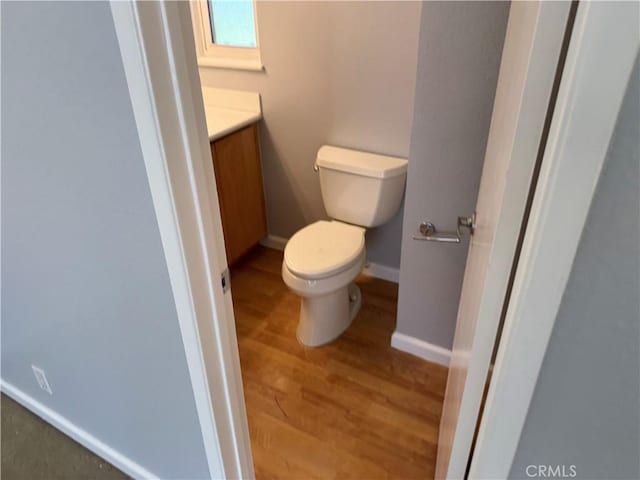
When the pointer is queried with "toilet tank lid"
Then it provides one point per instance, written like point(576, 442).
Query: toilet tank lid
point(360, 163)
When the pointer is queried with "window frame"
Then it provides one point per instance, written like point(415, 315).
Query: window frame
point(210, 54)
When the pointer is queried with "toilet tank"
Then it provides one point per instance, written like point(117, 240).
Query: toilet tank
point(360, 188)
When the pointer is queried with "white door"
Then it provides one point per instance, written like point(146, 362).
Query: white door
point(532, 48)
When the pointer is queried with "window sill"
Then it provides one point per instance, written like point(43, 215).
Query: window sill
point(254, 65)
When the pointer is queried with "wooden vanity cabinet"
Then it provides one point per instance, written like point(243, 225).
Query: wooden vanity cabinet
point(236, 162)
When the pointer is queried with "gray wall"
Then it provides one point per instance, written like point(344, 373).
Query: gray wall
point(459, 58)
point(85, 288)
point(341, 73)
point(586, 407)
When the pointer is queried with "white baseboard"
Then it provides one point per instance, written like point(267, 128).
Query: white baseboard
point(81, 436)
point(382, 271)
point(420, 348)
point(273, 241)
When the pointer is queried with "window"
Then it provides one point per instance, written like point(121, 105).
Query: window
point(232, 23)
point(226, 34)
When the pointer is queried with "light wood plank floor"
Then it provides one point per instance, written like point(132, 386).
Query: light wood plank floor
point(354, 409)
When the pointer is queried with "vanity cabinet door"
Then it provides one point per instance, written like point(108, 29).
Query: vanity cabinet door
point(236, 162)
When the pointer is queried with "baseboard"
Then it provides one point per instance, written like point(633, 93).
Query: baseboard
point(382, 271)
point(81, 436)
point(273, 241)
point(420, 348)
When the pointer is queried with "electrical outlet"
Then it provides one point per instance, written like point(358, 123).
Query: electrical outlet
point(41, 378)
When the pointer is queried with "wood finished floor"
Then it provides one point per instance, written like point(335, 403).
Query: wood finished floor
point(354, 409)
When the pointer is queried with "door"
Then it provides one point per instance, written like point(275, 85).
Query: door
point(532, 49)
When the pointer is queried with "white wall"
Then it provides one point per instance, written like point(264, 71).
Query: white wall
point(85, 287)
point(459, 58)
point(341, 73)
point(584, 410)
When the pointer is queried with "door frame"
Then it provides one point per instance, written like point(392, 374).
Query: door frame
point(158, 53)
point(525, 94)
point(593, 80)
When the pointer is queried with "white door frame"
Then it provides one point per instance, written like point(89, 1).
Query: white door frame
point(156, 43)
point(533, 45)
point(604, 44)
point(158, 53)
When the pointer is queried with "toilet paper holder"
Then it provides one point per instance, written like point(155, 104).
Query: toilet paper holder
point(428, 231)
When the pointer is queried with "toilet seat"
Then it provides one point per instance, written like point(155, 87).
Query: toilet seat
point(323, 249)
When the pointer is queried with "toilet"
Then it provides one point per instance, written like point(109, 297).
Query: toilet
point(322, 260)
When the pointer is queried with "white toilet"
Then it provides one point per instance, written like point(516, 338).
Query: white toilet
point(322, 260)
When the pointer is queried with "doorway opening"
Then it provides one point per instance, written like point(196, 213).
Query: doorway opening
point(357, 406)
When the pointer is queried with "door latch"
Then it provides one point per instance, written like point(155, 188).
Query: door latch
point(225, 280)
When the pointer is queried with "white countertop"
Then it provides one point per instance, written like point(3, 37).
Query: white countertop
point(222, 121)
point(229, 110)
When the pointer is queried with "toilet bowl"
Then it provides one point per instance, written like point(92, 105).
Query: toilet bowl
point(322, 260)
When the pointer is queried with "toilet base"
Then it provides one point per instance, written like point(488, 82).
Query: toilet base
point(325, 318)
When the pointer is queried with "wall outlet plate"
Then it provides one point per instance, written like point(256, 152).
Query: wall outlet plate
point(41, 378)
